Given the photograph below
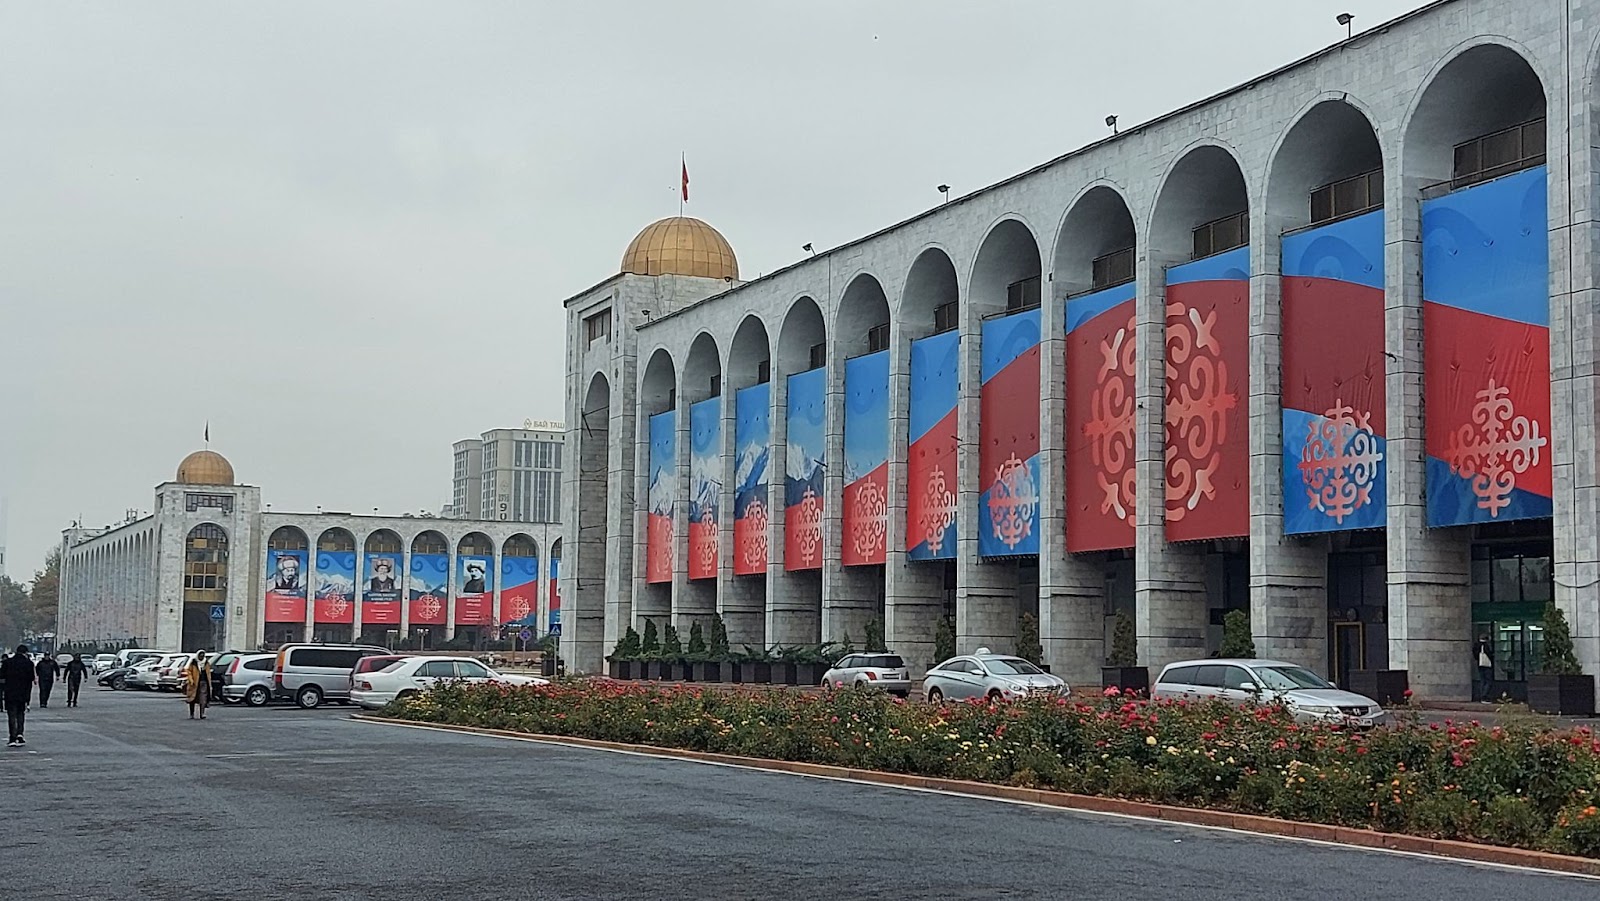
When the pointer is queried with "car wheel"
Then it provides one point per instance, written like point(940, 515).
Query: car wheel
point(257, 696)
point(309, 698)
point(862, 683)
point(408, 693)
point(995, 696)
point(935, 696)
point(119, 684)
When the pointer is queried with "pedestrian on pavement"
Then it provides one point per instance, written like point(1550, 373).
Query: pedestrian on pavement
point(75, 671)
point(1485, 655)
point(46, 670)
point(19, 678)
point(197, 684)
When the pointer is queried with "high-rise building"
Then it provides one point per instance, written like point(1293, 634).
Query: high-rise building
point(510, 475)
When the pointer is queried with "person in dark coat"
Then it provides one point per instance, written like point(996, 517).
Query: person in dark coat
point(46, 670)
point(19, 678)
point(75, 671)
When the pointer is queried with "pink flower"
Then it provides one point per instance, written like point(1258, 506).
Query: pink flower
point(1112, 691)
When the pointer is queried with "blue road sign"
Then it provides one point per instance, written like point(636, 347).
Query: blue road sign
point(555, 628)
point(219, 611)
point(526, 635)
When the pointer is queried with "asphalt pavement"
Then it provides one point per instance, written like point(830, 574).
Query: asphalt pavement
point(131, 800)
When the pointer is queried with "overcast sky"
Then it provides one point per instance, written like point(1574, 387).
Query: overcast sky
point(340, 232)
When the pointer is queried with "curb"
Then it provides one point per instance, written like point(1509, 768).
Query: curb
point(1240, 822)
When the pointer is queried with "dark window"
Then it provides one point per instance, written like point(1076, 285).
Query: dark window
point(437, 669)
point(1022, 295)
point(330, 658)
point(1222, 234)
point(468, 669)
point(1349, 197)
point(946, 318)
point(878, 338)
point(1115, 268)
point(1499, 153)
point(763, 372)
point(598, 327)
point(1210, 676)
point(1179, 675)
point(672, 399)
point(1235, 677)
point(716, 385)
point(818, 357)
point(885, 661)
point(847, 663)
point(263, 665)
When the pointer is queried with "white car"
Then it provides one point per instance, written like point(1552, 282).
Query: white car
point(147, 672)
point(101, 663)
point(170, 672)
point(374, 690)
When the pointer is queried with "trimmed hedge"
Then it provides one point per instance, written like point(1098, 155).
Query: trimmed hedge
point(1520, 785)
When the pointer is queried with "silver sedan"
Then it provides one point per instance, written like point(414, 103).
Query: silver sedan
point(998, 677)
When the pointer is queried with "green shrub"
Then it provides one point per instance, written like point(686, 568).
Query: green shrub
point(1124, 642)
point(719, 639)
point(1236, 638)
point(1028, 646)
point(875, 644)
point(650, 647)
point(1559, 657)
point(627, 647)
point(671, 647)
point(697, 640)
point(944, 639)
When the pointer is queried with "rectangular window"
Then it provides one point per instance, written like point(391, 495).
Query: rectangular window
point(946, 318)
point(598, 327)
point(1348, 197)
point(1499, 153)
point(819, 356)
point(1220, 235)
point(1115, 268)
point(878, 338)
point(763, 372)
point(1022, 295)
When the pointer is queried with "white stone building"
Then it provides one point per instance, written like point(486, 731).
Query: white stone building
point(211, 568)
point(1406, 133)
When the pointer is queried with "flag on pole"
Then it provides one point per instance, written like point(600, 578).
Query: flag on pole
point(685, 181)
point(208, 431)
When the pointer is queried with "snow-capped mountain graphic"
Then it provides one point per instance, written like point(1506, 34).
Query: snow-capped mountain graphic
point(663, 493)
point(329, 586)
point(750, 470)
point(801, 465)
point(707, 495)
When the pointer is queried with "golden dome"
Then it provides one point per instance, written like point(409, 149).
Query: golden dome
point(681, 245)
point(205, 467)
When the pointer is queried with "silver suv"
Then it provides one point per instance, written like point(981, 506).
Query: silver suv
point(885, 671)
point(248, 678)
point(309, 674)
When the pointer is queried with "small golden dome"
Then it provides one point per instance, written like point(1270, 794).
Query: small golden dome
point(205, 467)
point(681, 245)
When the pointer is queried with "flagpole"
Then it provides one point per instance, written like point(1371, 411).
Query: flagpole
point(683, 166)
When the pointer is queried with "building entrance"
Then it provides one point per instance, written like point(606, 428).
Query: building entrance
point(1512, 581)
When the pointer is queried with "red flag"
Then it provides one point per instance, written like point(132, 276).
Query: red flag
point(685, 181)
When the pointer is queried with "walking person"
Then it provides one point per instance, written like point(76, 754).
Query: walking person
point(46, 670)
point(197, 684)
point(1485, 655)
point(19, 676)
point(75, 671)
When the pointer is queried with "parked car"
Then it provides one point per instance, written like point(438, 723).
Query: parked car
point(220, 662)
point(247, 679)
point(999, 677)
point(116, 677)
point(374, 664)
point(170, 677)
point(413, 674)
point(101, 663)
point(146, 673)
point(1311, 698)
point(130, 656)
point(885, 671)
point(311, 673)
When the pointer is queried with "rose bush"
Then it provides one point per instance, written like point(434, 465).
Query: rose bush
point(1518, 785)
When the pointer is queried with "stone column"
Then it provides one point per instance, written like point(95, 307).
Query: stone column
point(1288, 576)
point(986, 592)
point(1172, 612)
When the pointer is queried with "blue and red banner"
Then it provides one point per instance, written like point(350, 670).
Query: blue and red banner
point(1208, 390)
point(380, 590)
point(752, 434)
point(555, 595)
point(931, 476)
point(519, 591)
point(335, 600)
point(662, 497)
point(1486, 351)
point(430, 589)
point(705, 486)
point(1008, 433)
point(286, 587)
point(1334, 413)
point(802, 484)
point(866, 459)
point(1100, 355)
point(474, 590)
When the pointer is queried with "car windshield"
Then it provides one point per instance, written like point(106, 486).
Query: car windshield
point(1288, 678)
point(1012, 666)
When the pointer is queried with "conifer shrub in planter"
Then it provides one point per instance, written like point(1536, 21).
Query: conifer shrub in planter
point(702, 668)
point(1028, 646)
point(1237, 642)
point(624, 656)
point(1122, 671)
point(677, 668)
point(1560, 687)
point(651, 664)
point(754, 667)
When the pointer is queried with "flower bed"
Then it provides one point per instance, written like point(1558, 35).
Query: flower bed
point(1519, 786)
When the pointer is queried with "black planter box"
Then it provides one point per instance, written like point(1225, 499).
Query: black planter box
point(808, 673)
point(783, 674)
point(706, 672)
point(1126, 678)
point(1386, 686)
point(621, 669)
point(1562, 695)
point(678, 672)
point(753, 673)
point(654, 670)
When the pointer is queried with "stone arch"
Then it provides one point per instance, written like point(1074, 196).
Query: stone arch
point(863, 311)
point(658, 390)
point(1204, 183)
point(205, 586)
point(1330, 141)
point(1481, 88)
point(702, 370)
point(1097, 224)
point(931, 283)
point(802, 342)
point(750, 354)
point(1006, 272)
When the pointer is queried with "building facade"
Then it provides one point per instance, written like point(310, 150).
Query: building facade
point(1320, 348)
point(510, 475)
point(210, 569)
point(466, 484)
